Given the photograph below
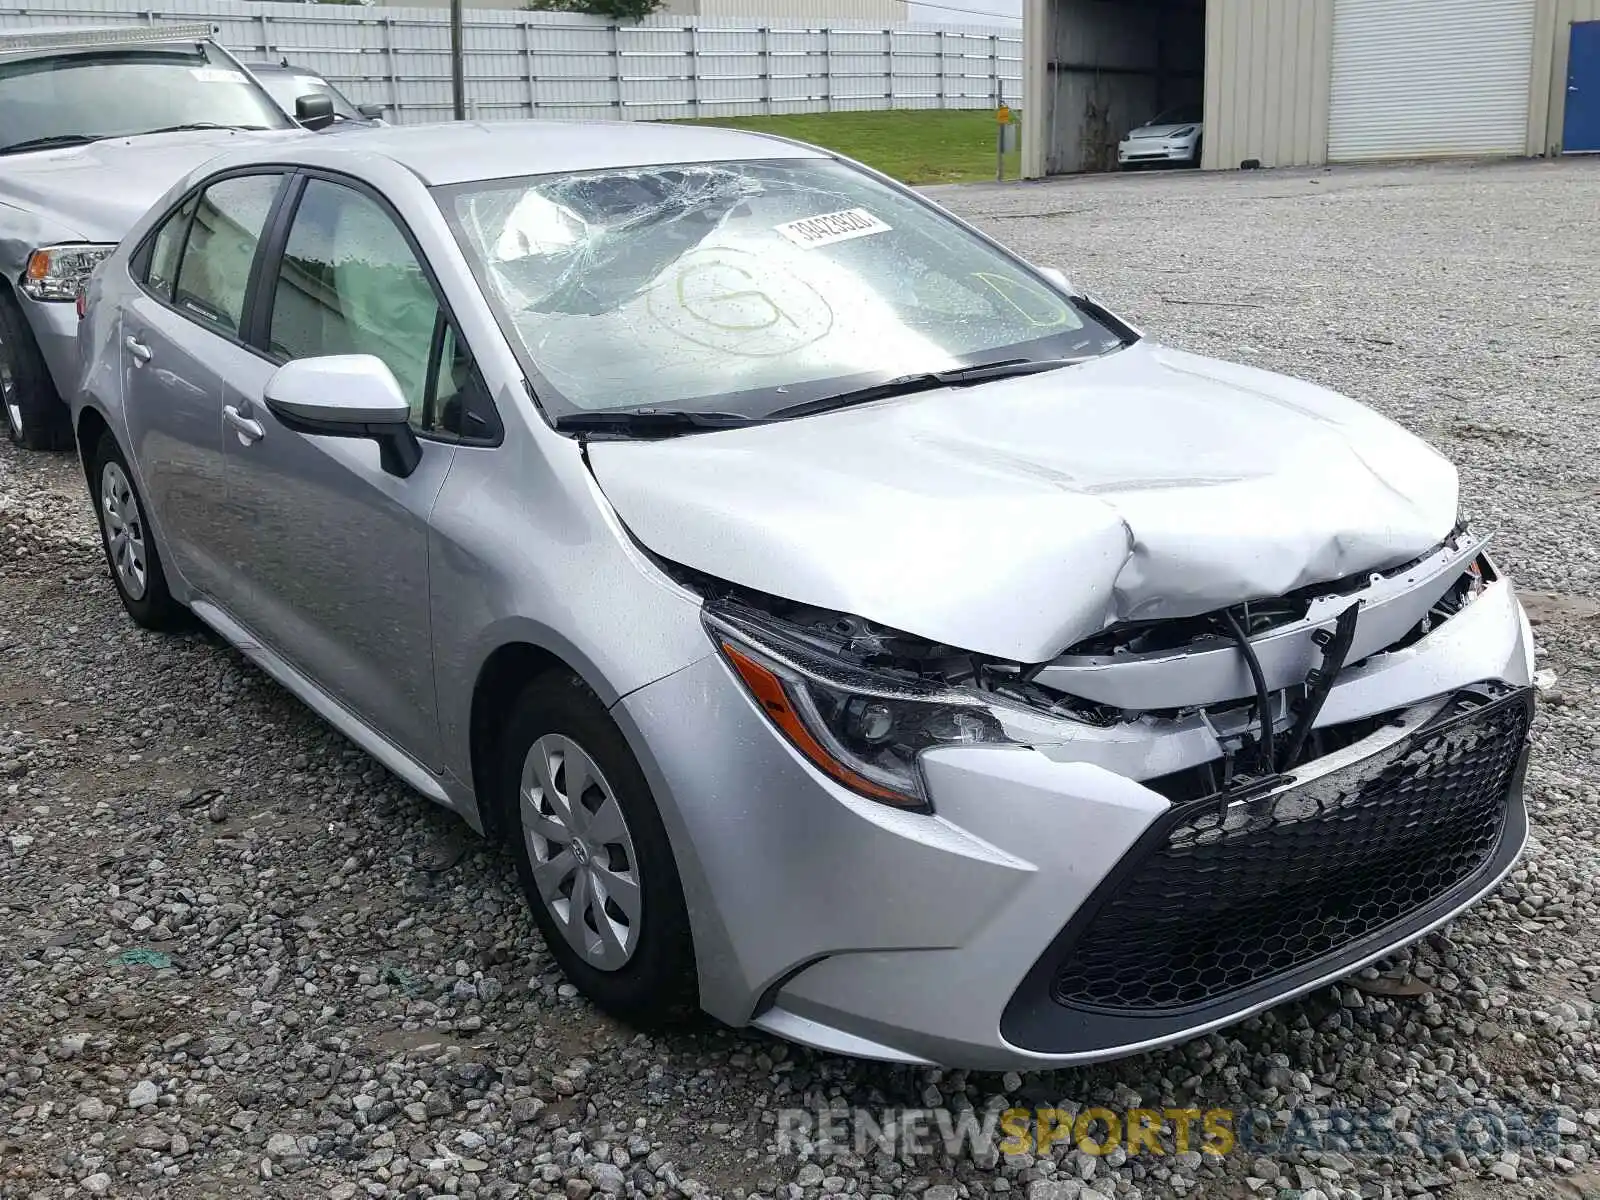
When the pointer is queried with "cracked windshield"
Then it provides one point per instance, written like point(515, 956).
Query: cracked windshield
point(747, 286)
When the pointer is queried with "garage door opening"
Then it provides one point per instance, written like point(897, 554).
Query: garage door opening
point(1114, 65)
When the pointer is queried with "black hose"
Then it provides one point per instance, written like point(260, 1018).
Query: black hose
point(1263, 700)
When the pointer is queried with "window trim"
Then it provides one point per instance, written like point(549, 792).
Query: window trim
point(255, 320)
point(258, 302)
point(139, 261)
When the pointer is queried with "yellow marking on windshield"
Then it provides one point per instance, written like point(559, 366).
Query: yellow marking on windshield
point(1009, 288)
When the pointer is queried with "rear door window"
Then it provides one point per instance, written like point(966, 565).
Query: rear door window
point(213, 274)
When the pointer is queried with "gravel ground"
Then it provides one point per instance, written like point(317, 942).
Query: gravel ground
point(334, 990)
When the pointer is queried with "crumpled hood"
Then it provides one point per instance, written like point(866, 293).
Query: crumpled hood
point(98, 191)
point(1015, 518)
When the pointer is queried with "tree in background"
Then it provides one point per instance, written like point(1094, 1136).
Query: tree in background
point(618, 10)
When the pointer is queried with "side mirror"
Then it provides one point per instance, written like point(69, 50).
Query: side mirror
point(314, 110)
point(346, 395)
point(372, 112)
point(1059, 278)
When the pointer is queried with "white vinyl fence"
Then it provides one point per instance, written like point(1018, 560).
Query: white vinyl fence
point(523, 64)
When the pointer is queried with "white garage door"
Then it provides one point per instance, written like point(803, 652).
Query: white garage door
point(1413, 78)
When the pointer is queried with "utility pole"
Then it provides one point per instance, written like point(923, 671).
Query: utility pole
point(458, 78)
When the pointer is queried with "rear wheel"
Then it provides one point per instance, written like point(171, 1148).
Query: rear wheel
point(130, 545)
point(35, 418)
point(593, 855)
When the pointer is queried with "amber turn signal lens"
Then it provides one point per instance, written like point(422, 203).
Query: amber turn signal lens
point(773, 698)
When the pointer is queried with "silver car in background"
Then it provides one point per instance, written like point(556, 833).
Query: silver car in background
point(289, 84)
point(95, 125)
point(856, 632)
point(1172, 138)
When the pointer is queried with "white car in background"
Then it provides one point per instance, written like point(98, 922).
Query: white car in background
point(1169, 137)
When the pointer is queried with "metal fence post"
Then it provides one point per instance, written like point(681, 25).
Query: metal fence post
point(616, 68)
point(694, 65)
point(391, 83)
point(458, 66)
point(827, 64)
point(527, 65)
point(766, 69)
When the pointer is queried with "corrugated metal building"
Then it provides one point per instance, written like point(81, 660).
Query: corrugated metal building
point(1303, 82)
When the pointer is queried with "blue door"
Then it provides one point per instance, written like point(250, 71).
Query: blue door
point(1583, 90)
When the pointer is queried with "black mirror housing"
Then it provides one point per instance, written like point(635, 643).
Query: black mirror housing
point(314, 111)
point(372, 112)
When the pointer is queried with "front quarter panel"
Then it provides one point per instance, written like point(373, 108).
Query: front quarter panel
point(524, 549)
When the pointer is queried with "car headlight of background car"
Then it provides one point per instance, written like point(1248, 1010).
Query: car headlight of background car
point(863, 727)
point(1186, 131)
point(57, 272)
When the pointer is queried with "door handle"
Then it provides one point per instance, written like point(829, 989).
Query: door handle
point(249, 431)
point(140, 352)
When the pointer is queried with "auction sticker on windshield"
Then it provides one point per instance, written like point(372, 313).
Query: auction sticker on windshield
point(829, 228)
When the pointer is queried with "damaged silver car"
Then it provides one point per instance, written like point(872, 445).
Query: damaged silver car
point(856, 631)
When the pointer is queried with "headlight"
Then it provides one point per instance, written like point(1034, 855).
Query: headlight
point(858, 726)
point(1184, 132)
point(57, 272)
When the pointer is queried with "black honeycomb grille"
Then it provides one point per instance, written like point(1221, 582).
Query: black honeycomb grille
point(1234, 894)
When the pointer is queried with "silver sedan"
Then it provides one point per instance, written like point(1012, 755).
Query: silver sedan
point(856, 631)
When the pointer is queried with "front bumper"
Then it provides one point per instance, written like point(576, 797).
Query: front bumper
point(55, 329)
point(840, 923)
point(1153, 150)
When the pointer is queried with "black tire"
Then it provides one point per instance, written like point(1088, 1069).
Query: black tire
point(656, 986)
point(153, 606)
point(32, 411)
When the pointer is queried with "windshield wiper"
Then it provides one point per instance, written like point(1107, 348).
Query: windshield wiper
point(51, 142)
point(653, 422)
point(193, 126)
point(929, 381)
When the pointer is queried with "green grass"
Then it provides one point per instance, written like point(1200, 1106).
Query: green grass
point(914, 146)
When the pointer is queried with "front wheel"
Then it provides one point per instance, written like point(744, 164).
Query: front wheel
point(593, 856)
point(34, 416)
point(130, 544)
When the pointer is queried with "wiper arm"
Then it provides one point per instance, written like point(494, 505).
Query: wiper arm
point(193, 125)
point(653, 422)
point(928, 381)
point(50, 142)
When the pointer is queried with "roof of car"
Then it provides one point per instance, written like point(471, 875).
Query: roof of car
point(36, 41)
point(463, 152)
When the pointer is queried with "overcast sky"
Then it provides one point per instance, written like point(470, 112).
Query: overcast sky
point(982, 12)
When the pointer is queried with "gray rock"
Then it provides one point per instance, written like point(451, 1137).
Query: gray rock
point(142, 1094)
point(606, 1178)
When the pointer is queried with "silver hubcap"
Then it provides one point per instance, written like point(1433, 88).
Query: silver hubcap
point(8, 391)
point(124, 526)
point(582, 853)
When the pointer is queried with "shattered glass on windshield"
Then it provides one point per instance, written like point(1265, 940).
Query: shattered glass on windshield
point(769, 282)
